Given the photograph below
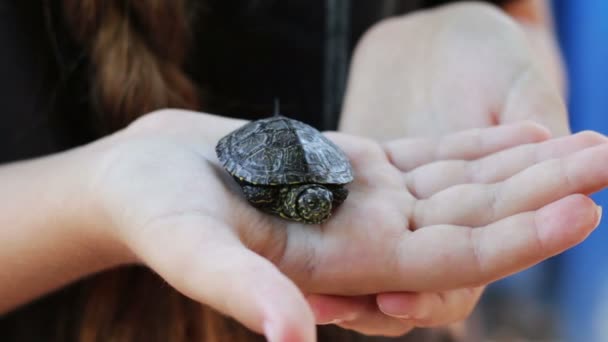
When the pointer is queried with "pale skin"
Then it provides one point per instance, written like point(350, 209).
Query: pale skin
point(154, 194)
point(434, 73)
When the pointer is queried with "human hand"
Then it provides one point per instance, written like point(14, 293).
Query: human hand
point(168, 202)
point(441, 169)
point(456, 67)
point(433, 73)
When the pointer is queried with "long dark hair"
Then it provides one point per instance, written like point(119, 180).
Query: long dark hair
point(135, 54)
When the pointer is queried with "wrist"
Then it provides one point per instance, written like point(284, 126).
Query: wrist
point(88, 216)
point(79, 212)
point(46, 236)
point(111, 208)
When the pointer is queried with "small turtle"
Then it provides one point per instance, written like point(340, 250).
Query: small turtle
point(287, 168)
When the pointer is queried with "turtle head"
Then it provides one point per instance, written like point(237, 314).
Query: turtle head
point(314, 203)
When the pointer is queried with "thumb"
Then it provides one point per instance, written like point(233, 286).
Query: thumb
point(533, 97)
point(205, 260)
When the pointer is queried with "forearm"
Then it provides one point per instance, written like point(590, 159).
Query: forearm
point(44, 240)
point(56, 225)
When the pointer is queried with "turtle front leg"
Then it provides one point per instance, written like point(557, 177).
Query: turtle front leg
point(340, 194)
point(262, 197)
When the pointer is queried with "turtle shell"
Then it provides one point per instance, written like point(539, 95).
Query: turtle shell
point(279, 150)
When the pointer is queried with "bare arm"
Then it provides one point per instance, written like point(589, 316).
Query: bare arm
point(51, 231)
point(44, 241)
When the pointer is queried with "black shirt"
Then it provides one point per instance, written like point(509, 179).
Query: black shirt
point(243, 57)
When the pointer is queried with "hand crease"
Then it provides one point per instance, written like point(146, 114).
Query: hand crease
point(473, 236)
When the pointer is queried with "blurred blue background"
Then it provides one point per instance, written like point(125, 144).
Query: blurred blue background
point(566, 298)
point(582, 28)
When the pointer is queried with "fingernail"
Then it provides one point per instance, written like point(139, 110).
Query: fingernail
point(599, 215)
point(404, 316)
point(387, 310)
point(403, 307)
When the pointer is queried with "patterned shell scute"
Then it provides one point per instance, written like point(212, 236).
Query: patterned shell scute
point(280, 150)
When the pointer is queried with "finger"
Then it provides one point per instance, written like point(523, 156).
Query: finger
point(446, 257)
point(202, 259)
point(369, 161)
point(407, 154)
point(584, 172)
point(430, 309)
point(358, 313)
point(429, 179)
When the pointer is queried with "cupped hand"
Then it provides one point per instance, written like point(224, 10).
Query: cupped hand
point(434, 73)
point(404, 227)
point(457, 67)
point(476, 196)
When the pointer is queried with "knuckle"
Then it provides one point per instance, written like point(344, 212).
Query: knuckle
point(155, 119)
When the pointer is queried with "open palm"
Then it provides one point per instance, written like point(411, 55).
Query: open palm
point(404, 226)
point(442, 71)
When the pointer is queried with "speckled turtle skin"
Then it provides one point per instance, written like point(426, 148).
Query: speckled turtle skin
point(287, 168)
